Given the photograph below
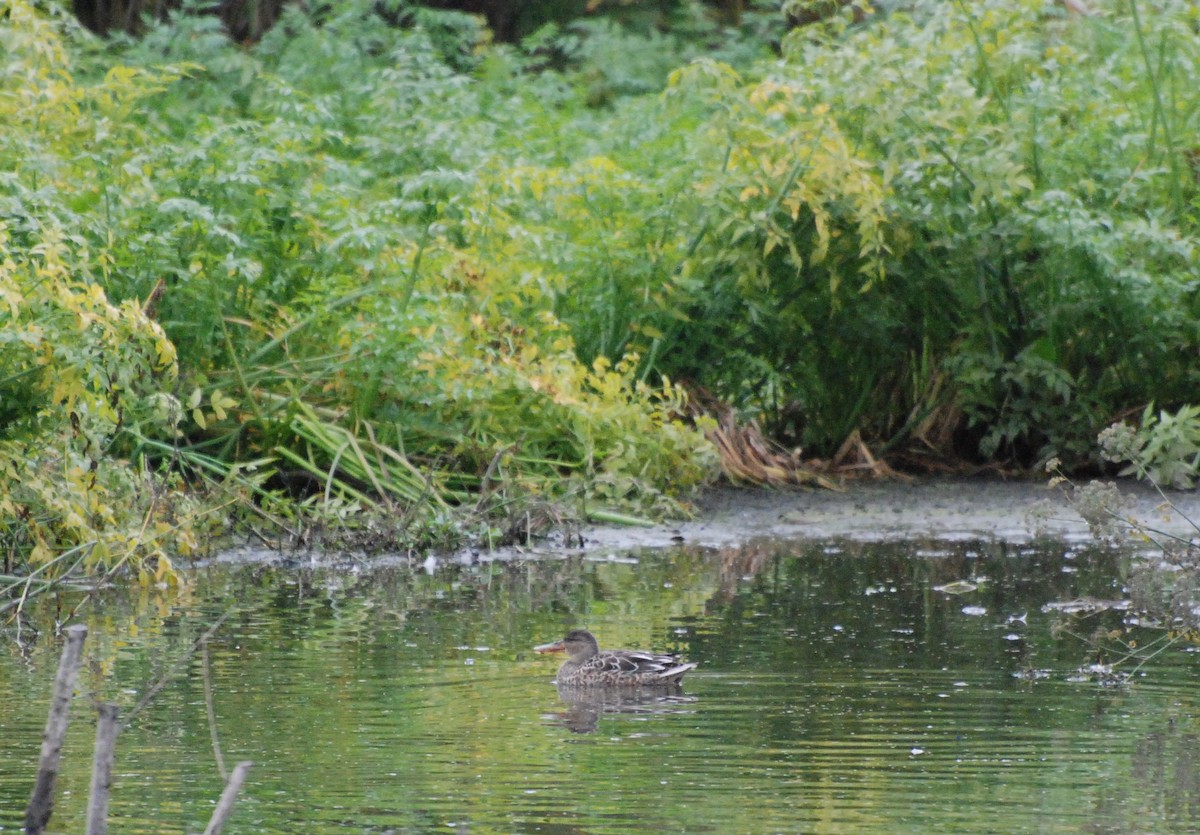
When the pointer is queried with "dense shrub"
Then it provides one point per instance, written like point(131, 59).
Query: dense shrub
point(959, 228)
point(1039, 218)
point(969, 227)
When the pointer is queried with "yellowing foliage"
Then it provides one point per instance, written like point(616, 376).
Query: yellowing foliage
point(488, 357)
point(75, 368)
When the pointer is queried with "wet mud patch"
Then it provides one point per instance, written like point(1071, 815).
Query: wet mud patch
point(948, 509)
point(943, 508)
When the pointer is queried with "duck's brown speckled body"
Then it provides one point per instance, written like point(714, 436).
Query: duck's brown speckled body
point(587, 665)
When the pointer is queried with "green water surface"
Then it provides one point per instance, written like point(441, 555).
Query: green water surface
point(838, 691)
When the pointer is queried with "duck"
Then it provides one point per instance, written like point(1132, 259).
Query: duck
point(589, 666)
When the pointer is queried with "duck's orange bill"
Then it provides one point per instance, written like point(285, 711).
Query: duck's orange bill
point(557, 646)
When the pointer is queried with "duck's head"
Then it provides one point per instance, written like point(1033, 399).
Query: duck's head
point(579, 644)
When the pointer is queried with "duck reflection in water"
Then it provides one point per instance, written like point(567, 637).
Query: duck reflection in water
point(585, 705)
point(592, 682)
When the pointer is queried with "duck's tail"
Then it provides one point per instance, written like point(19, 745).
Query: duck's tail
point(676, 673)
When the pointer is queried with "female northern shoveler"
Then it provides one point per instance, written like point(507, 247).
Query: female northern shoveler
point(587, 665)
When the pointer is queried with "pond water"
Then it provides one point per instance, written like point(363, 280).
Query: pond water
point(841, 687)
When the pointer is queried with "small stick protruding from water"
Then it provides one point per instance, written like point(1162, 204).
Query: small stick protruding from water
point(102, 766)
point(41, 805)
point(212, 716)
point(228, 798)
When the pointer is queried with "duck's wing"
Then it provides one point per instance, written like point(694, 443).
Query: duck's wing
point(649, 664)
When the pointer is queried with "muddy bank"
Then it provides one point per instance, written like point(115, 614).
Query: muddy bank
point(941, 508)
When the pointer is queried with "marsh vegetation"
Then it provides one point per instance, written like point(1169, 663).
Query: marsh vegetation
point(377, 277)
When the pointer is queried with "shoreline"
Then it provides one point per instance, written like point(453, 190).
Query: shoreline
point(946, 508)
point(953, 508)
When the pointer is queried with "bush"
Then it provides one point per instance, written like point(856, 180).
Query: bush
point(967, 209)
point(1164, 449)
point(970, 217)
point(76, 369)
point(969, 227)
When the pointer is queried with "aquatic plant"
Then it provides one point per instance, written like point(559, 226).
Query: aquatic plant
point(1163, 581)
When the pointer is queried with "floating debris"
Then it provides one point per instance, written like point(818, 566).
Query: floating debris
point(1031, 675)
point(957, 587)
point(1103, 674)
point(1086, 604)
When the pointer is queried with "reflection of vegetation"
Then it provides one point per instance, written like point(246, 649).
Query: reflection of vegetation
point(432, 648)
point(1163, 583)
point(825, 606)
point(387, 697)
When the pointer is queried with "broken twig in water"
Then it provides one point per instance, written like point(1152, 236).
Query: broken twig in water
point(212, 716)
point(152, 691)
point(102, 766)
point(228, 798)
point(41, 805)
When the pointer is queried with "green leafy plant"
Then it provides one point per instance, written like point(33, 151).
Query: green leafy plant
point(444, 276)
point(1164, 575)
point(75, 369)
point(1163, 449)
point(1016, 254)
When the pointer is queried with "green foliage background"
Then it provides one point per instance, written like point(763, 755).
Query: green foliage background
point(427, 271)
